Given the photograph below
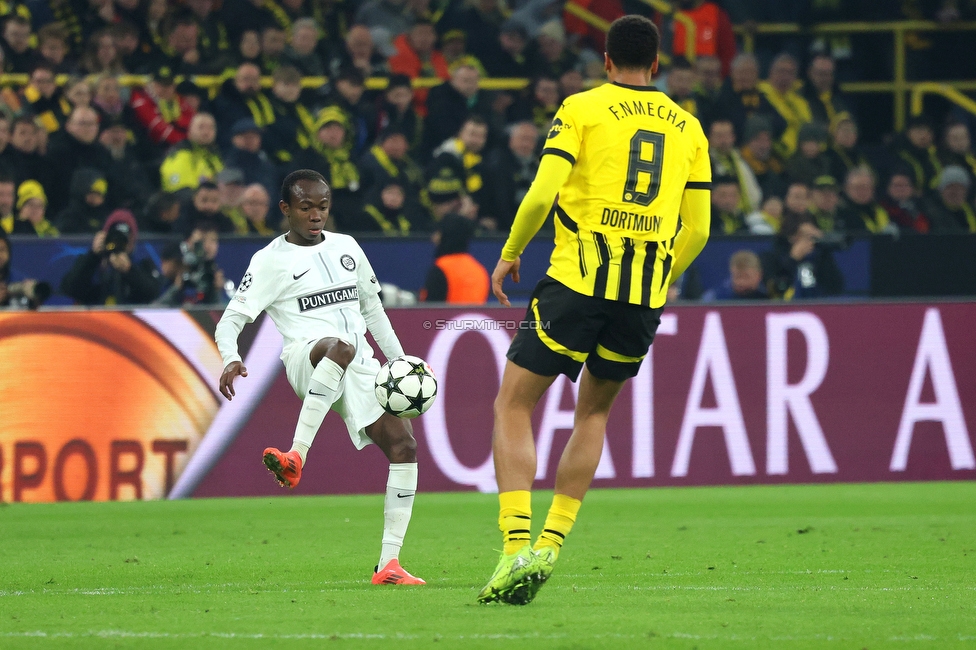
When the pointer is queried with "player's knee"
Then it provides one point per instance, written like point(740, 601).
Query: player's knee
point(403, 448)
point(334, 349)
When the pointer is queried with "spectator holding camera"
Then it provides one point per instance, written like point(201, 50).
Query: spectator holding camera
point(22, 293)
point(188, 272)
point(800, 265)
point(107, 273)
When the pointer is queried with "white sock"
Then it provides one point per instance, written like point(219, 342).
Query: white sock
point(322, 389)
point(400, 488)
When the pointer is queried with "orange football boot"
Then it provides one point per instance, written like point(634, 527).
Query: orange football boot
point(394, 574)
point(286, 467)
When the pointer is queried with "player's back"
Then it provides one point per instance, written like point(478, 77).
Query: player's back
point(634, 152)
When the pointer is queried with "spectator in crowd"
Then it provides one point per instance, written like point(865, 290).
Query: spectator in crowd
point(137, 50)
point(821, 92)
point(948, 210)
point(78, 92)
point(86, 210)
point(451, 103)
point(727, 215)
point(251, 15)
point(193, 160)
point(170, 276)
point(204, 207)
point(303, 52)
point(101, 55)
point(31, 211)
point(796, 266)
point(783, 104)
point(249, 49)
point(916, 148)
point(240, 98)
point(797, 198)
point(18, 55)
point(293, 127)
point(8, 195)
point(809, 161)
point(107, 274)
point(538, 104)
point(740, 95)
point(255, 204)
point(359, 114)
point(384, 210)
point(845, 154)
point(274, 40)
point(454, 50)
point(463, 156)
point(713, 32)
point(161, 214)
point(506, 57)
point(388, 161)
point(903, 205)
point(726, 160)
point(230, 187)
point(445, 194)
point(75, 147)
point(860, 211)
point(214, 40)
point(245, 154)
point(385, 20)
point(107, 99)
point(767, 219)
point(135, 187)
point(759, 155)
point(824, 203)
point(681, 84)
point(396, 112)
point(745, 281)
point(181, 51)
point(42, 97)
point(510, 172)
point(548, 55)
point(417, 58)
point(330, 155)
point(957, 149)
point(708, 90)
point(6, 165)
point(22, 156)
point(53, 48)
point(482, 21)
point(456, 277)
point(161, 111)
point(359, 53)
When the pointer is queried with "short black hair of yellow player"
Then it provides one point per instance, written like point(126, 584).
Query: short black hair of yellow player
point(292, 179)
point(632, 42)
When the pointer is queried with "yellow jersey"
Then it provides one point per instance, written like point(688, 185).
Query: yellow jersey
point(634, 152)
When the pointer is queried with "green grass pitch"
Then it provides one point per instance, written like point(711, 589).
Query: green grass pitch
point(844, 566)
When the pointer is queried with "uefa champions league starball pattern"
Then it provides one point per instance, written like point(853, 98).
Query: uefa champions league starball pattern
point(406, 386)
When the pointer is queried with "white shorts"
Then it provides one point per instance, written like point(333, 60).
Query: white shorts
point(356, 402)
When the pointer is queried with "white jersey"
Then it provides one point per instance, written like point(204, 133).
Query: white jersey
point(311, 291)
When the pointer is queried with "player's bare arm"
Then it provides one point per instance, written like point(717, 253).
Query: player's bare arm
point(233, 369)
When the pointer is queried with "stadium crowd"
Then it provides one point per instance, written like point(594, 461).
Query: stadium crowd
point(197, 145)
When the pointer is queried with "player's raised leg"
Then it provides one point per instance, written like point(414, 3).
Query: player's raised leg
point(513, 447)
point(330, 357)
point(577, 465)
point(395, 438)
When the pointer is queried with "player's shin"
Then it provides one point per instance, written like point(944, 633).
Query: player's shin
point(400, 489)
point(323, 387)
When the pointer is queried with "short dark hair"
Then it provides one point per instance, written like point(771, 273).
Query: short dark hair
point(206, 185)
point(292, 179)
point(679, 63)
point(632, 42)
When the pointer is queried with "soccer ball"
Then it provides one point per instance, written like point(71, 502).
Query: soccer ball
point(406, 386)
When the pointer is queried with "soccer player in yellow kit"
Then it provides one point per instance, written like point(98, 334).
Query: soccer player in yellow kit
point(626, 173)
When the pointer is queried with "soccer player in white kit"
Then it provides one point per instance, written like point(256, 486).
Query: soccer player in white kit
point(321, 293)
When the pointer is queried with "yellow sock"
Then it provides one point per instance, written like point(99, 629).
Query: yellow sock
point(560, 520)
point(515, 519)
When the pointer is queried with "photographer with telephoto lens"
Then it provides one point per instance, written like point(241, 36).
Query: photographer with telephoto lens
point(107, 274)
point(20, 294)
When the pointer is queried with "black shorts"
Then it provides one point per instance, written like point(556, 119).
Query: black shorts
point(563, 329)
